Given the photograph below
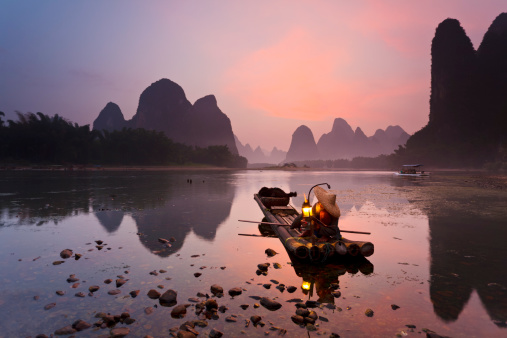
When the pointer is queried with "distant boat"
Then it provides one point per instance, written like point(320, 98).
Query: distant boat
point(413, 170)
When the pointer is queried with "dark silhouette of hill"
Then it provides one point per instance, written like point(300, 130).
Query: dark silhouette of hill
point(164, 107)
point(468, 107)
point(110, 118)
point(303, 146)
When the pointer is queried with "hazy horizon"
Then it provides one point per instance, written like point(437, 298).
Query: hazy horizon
point(271, 66)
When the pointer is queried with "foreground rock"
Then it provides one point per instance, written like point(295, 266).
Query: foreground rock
point(168, 298)
point(270, 304)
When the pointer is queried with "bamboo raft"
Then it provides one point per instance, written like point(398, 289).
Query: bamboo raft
point(282, 217)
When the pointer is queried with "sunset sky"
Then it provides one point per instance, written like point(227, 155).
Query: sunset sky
point(272, 65)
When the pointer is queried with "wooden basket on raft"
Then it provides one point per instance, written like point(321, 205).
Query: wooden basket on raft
point(274, 201)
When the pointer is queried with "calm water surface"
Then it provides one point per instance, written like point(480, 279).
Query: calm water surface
point(440, 252)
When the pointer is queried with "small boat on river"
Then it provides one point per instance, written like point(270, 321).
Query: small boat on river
point(279, 215)
point(411, 170)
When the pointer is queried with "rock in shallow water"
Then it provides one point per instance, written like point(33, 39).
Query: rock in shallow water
point(270, 304)
point(168, 298)
point(66, 253)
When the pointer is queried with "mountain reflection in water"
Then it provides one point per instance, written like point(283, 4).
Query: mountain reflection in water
point(162, 204)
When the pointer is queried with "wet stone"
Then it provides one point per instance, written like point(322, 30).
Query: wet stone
point(277, 265)
point(179, 311)
point(336, 294)
point(194, 300)
point(60, 292)
point(66, 330)
point(270, 252)
point(67, 253)
point(214, 333)
point(394, 307)
point(266, 286)
point(231, 319)
point(244, 306)
point(75, 285)
point(80, 294)
point(270, 304)
point(149, 310)
point(119, 332)
point(72, 279)
point(134, 293)
point(81, 325)
point(216, 289)
point(153, 294)
point(49, 306)
point(291, 289)
point(77, 256)
point(263, 266)
point(120, 282)
point(223, 308)
point(211, 304)
point(114, 292)
point(368, 313)
point(235, 292)
point(197, 274)
point(298, 319)
point(168, 298)
point(108, 281)
point(93, 288)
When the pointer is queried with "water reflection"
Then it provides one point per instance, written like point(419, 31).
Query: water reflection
point(322, 281)
point(463, 259)
point(467, 248)
point(162, 204)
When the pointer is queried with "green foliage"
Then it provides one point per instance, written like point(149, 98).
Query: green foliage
point(40, 139)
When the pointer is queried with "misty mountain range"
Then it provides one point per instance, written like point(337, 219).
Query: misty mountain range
point(163, 107)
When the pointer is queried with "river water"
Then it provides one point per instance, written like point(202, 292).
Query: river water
point(439, 261)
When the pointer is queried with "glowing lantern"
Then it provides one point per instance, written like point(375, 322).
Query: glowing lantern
point(306, 285)
point(307, 209)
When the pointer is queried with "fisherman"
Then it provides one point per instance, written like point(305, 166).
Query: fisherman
point(325, 217)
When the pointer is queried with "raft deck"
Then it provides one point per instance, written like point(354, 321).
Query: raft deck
point(302, 247)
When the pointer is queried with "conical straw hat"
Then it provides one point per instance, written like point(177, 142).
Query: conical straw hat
point(328, 201)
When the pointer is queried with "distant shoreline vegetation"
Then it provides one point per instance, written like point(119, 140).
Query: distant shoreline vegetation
point(38, 139)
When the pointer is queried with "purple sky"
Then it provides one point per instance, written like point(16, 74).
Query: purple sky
point(272, 65)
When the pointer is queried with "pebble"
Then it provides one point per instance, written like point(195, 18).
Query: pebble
point(120, 282)
point(336, 294)
point(216, 289)
point(93, 288)
point(49, 306)
point(211, 304)
point(277, 265)
point(214, 333)
point(60, 292)
point(244, 306)
point(179, 311)
point(58, 262)
point(108, 281)
point(66, 330)
point(368, 313)
point(270, 304)
point(119, 332)
point(80, 294)
point(66, 253)
point(394, 307)
point(263, 266)
point(81, 325)
point(134, 293)
point(149, 310)
point(153, 294)
point(291, 289)
point(168, 298)
point(114, 292)
point(235, 292)
point(270, 252)
point(197, 274)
